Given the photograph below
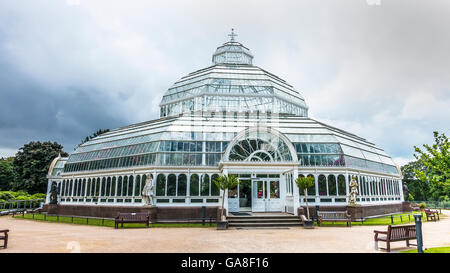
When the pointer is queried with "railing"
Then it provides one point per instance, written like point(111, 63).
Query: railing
point(21, 204)
point(432, 204)
point(395, 218)
point(59, 218)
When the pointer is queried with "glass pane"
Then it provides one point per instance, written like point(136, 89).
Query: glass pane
point(171, 185)
point(274, 189)
point(194, 185)
point(245, 192)
point(182, 184)
point(161, 185)
point(205, 185)
point(312, 189)
point(259, 189)
point(331, 185)
point(322, 185)
point(214, 189)
point(341, 185)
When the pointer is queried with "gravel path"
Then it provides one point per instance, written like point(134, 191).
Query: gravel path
point(36, 236)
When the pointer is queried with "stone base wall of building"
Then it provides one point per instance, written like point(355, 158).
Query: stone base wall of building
point(156, 213)
point(360, 211)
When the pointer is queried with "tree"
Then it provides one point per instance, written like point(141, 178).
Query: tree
point(418, 190)
point(7, 173)
point(31, 164)
point(96, 134)
point(436, 159)
point(303, 183)
point(225, 182)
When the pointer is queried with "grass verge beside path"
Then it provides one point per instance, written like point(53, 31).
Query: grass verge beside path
point(106, 222)
point(406, 218)
point(430, 250)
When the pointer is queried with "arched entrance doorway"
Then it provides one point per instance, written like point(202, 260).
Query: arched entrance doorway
point(261, 158)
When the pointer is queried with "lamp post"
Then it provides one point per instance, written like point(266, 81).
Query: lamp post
point(418, 220)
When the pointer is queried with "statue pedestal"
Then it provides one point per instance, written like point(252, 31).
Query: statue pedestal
point(356, 211)
point(52, 209)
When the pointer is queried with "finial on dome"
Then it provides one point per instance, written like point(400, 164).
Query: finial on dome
point(232, 35)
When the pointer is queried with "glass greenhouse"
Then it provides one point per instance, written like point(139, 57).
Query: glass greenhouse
point(230, 118)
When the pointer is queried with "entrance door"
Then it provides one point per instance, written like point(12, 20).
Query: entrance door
point(274, 195)
point(259, 196)
point(245, 195)
point(266, 195)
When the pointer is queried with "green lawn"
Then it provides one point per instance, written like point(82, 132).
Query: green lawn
point(106, 223)
point(430, 250)
point(385, 220)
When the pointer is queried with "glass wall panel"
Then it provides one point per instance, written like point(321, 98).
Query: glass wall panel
point(205, 185)
point(182, 185)
point(342, 190)
point(161, 185)
point(137, 186)
point(215, 191)
point(331, 185)
point(130, 186)
point(322, 185)
point(312, 190)
point(125, 186)
point(108, 186)
point(119, 186)
point(113, 186)
point(194, 185)
point(97, 187)
point(171, 185)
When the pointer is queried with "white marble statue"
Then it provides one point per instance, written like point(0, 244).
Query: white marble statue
point(353, 192)
point(147, 192)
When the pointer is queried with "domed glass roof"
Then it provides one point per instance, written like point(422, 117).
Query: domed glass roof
point(217, 115)
point(232, 83)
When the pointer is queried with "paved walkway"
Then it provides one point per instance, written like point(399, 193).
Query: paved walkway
point(37, 236)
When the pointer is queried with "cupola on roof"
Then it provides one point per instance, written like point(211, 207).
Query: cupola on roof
point(232, 84)
point(232, 52)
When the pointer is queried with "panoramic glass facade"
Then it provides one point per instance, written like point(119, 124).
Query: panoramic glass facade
point(231, 117)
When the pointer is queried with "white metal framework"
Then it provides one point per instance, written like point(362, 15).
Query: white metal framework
point(229, 118)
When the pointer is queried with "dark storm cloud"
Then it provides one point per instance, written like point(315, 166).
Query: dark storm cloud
point(29, 111)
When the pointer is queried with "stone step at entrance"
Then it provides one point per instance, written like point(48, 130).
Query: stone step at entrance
point(264, 220)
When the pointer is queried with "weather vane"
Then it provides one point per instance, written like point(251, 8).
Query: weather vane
point(232, 35)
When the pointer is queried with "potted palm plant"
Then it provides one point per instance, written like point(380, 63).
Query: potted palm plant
point(303, 183)
point(224, 182)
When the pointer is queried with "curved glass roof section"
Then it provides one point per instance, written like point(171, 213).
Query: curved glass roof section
point(260, 147)
point(201, 139)
point(232, 83)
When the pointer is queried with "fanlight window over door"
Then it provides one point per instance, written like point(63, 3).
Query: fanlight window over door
point(260, 146)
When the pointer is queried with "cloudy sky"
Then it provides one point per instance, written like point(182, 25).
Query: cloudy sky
point(376, 68)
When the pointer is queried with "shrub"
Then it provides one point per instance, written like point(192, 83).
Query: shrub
point(38, 196)
point(422, 205)
point(6, 195)
point(22, 197)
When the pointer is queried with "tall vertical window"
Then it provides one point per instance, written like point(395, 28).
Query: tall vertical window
point(205, 185)
point(322, 185)
point(194, 185)
point(171, 185)
point(161, 185)
point(182, 185)
point(331, 185)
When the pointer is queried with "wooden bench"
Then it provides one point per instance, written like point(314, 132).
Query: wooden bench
point(135, 217)
point(334, 216)
point(431, 214)
point(4, 237)
point(394, 234)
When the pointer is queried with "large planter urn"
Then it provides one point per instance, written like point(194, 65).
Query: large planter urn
point(222, 225)
point(308, 223)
